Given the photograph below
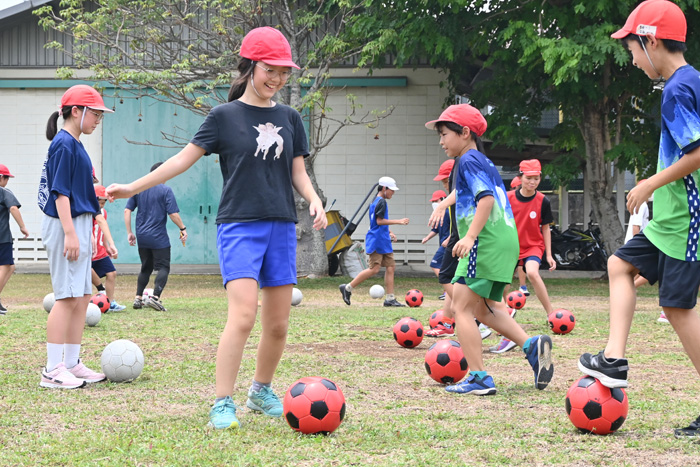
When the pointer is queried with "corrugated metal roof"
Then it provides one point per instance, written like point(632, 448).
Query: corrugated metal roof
point(12, 7)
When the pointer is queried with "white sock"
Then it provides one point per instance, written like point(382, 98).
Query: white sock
point(54, 355)
point(348, 288)
point(71, 353)
point(390, 296)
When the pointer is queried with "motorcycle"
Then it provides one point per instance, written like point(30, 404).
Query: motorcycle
point(579, 249)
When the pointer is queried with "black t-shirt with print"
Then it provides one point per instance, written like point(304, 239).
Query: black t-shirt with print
point(256, 146)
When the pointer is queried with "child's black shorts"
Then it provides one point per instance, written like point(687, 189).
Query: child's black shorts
point(678, 280)
point(448, 267)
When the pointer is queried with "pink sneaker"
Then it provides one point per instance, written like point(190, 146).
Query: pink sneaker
point(60, 378)
point(504, 346)
point(662, 318)
point(85, 373)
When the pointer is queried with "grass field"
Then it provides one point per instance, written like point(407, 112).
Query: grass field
point(396, 415)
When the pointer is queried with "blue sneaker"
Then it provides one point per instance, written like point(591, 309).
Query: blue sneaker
point(523, 289)
point(474, 385)
point(540, 357)
point(223, 415)
point(114, 306)
point(264, 401)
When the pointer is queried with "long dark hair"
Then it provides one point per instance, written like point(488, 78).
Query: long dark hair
point(452, 126)
point(52, 124)
point(245, 70)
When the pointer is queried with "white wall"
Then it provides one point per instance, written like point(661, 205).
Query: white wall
point(401, 147)
point(23, 117)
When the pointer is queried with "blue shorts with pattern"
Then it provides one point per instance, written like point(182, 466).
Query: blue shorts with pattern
point(678, 280)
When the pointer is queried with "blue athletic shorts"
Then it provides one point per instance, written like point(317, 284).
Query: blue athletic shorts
point(448, 267)
point(678, 280)
point(6, 257)
point(103, 266)
point(436, 262)
point(521, 262)
point(262, 250)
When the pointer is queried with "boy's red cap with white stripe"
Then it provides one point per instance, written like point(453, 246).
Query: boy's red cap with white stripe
point(660, 18)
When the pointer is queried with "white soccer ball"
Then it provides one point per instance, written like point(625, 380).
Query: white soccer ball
point(376, 291)
point(146, 293)
point(93, 315)
point(122, 361)
point(296, 296)
point(49, 300)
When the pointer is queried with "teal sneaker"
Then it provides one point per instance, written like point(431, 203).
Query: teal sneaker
point(223, 415)
point(265, 401)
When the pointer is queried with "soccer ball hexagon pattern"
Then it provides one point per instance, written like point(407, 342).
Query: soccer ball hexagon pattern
point(376, 291)
point(445, 362)
point(102, 301)
point(122, 361)
point(49, 301)
point(314, 405)
point(414, 297)
point(93, 315)
point(561, 321)
point(436, 318)
point(515, 299)
point(408, 332)
point(297, 296)
point(595, 408)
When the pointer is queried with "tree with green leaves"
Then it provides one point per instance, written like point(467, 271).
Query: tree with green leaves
point(523, 57)
point(185, 52)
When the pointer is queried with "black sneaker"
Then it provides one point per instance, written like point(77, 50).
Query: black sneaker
point(691, 431)
point(442, 297)
point(346, 295)
point(611, 373)
point(154, 303)
point(392, 302)
point(3, 310)
point(138, 304)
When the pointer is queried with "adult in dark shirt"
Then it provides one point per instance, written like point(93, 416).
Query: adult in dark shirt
point(154, 206)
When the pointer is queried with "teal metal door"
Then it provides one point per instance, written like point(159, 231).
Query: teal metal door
point(128, 156)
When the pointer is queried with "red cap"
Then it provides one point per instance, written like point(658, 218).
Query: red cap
point(530, 167)
point(100, 191)
point(267, 45)
point(438, 195)
point(85, 96)
point(464, 115)
point(445, 169)
point(661, 18)
point(516, 182)
point(5, 171)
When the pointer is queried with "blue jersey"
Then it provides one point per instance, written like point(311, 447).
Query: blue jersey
point(154, 205)
point(676, 224)
point(443, 231)
point(67, 171)
point(378, 239)
point(496, 248)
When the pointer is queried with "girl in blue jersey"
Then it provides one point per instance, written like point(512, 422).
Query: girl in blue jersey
point(262, 145)
point(67, 198)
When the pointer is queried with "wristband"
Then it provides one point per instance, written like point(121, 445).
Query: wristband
point(184, 228)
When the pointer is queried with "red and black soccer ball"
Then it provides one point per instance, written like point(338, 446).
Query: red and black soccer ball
point(101, 300)
point(436, 318)
point(445, 362)
point(561, 321)
point(414, 297)
point(516, 299)
point(314, 405)
point(408, 332)
point(595, 408)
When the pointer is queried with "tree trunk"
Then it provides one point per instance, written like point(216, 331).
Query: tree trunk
point(311, 244)
point(594, 131)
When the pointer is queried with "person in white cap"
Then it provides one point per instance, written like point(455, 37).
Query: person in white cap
point(8, 205)
point(378, 244)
